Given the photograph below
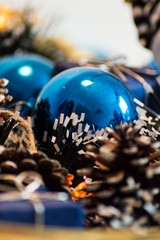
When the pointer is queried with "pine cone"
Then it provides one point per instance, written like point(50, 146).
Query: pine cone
point(14, 161)
point(149, 123)
point(16, 32)
point(125, 188)
point(20, 31)
point(126, 149)
point(3, 91)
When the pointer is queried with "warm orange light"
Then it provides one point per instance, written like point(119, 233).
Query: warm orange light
point(11, 19)
point(69, 179)
point(79, 191)
point(5, 17)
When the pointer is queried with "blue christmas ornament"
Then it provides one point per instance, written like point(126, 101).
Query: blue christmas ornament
point(104, 99)
point(27, 75)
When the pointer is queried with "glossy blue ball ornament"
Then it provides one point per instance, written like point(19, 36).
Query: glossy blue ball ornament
point(27, 75)
point(100, 95)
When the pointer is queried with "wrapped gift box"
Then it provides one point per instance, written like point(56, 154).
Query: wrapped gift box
point(56, 213)
point(137, 90)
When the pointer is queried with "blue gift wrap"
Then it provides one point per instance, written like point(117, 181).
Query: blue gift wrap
point(57, 213)
point(137, 90)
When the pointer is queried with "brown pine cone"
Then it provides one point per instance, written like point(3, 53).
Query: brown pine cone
point(13, 162)
point(16, 32)
point(125, 189)
point(3, 91)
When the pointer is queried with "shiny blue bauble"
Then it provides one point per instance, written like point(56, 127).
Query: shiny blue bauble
point(27, 75)
point(100, 95)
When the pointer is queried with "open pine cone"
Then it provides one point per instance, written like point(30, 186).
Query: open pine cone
point(125, 189)
point(13, 162)
point(21, 30)
point(4, 98)
point(16, 30)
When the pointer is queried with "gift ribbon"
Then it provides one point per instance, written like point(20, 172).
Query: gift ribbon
point(120, 69)
point(28, 192)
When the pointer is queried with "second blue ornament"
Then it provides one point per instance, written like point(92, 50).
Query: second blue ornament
point(27, 75)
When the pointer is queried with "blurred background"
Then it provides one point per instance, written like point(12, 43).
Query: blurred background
point(103, 27)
